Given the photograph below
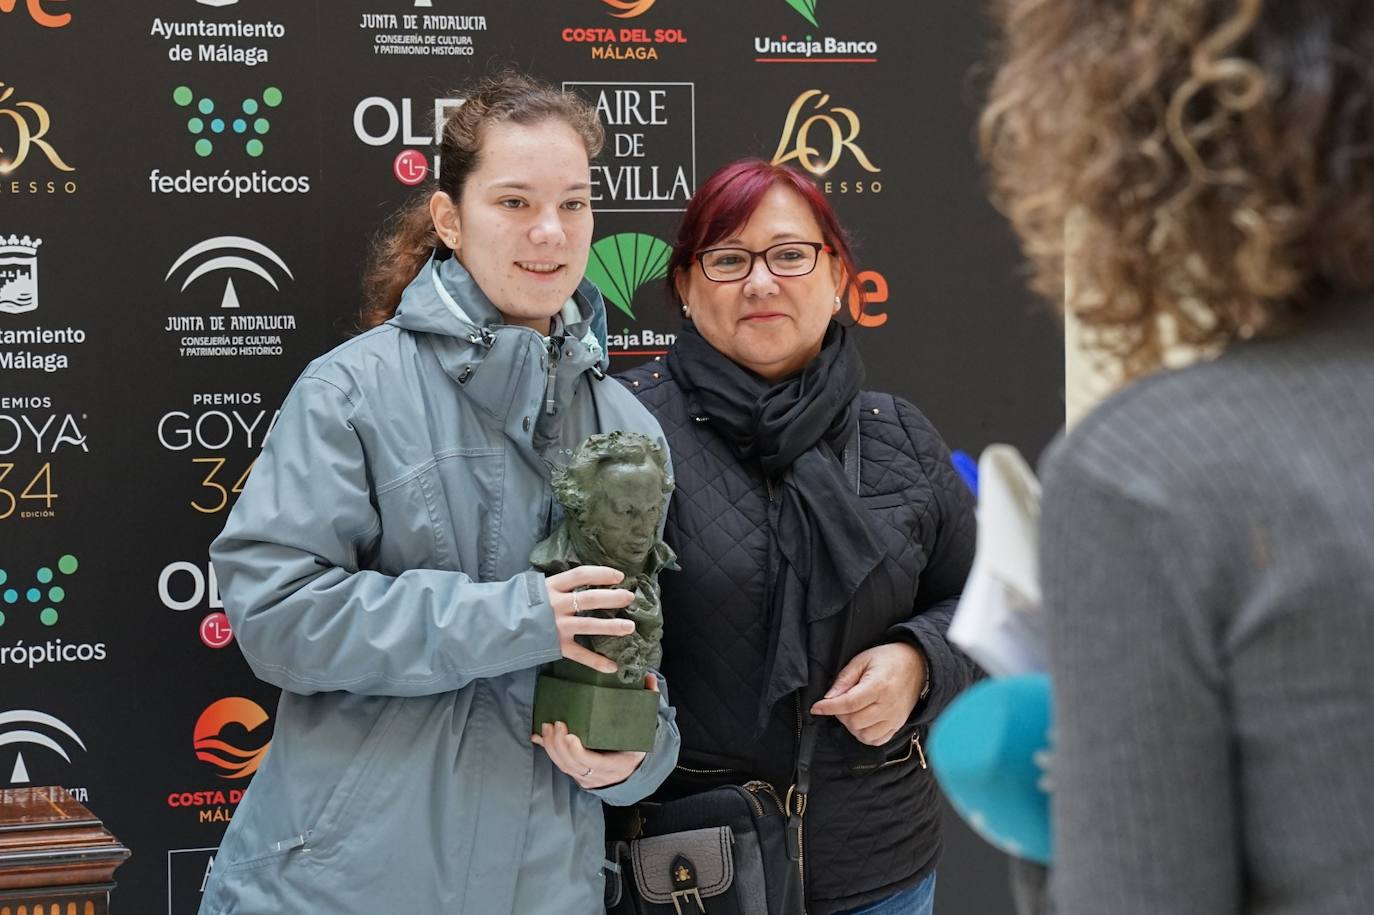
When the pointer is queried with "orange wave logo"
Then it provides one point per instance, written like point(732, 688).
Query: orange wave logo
point(231, 752)
point(629, 8)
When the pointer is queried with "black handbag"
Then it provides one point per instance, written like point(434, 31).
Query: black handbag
point(732, 850)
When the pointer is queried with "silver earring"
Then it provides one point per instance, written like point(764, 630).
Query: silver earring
point(686, 313)
point(837, 302)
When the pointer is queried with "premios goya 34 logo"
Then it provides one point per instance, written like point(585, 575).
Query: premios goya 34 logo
point(28, 492)
point(230, 736)
point(24, 127)
point(818, 138)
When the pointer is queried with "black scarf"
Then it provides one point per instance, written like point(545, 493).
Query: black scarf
point(822, 545)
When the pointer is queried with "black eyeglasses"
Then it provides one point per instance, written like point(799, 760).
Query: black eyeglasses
point(790, 258)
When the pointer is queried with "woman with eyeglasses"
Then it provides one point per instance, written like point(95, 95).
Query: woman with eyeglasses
point(824, 539)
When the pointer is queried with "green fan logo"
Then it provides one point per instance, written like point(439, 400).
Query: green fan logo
point(807, 8)
point(620, 264)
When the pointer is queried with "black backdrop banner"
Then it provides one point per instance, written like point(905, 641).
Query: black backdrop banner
point(187, 192)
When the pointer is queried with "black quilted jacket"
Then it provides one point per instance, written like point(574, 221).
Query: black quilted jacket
point(872, 824)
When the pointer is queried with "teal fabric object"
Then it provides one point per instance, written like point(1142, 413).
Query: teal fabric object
point(984, 751)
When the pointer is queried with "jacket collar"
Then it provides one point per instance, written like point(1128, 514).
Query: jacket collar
point(492, 360)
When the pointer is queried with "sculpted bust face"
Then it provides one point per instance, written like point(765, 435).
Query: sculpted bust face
point(623, 510)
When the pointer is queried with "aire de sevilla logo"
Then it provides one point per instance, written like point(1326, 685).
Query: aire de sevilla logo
point(626, 9)
point(230, 736)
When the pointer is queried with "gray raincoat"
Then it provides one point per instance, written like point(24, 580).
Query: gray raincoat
point(376, 568)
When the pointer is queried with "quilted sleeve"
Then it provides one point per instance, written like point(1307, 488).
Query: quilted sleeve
point(949, 529)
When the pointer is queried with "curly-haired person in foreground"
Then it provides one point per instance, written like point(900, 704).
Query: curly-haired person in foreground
point(1203, 172)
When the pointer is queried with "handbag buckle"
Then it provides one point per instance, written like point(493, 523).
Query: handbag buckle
point(682, 896)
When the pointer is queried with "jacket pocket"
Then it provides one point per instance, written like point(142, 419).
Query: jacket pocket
point(265, 850)
point(351, 785)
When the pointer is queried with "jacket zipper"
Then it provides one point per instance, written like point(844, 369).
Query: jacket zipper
point(757, 788)
point(691, 771)
point(797, 800)
point(550, 407)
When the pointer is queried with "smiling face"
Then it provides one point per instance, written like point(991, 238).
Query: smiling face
point(768, 324)
point(523, 226)
point(624, 511)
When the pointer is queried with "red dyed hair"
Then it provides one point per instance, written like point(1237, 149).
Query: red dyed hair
point(730, 196)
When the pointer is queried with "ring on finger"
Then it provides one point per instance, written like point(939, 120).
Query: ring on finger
point(576, 609)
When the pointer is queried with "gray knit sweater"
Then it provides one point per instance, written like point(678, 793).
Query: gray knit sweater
point(1208, 561)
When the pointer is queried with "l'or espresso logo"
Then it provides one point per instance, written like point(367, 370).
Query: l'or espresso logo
point(620, 265)
point(227, 128)
point(221, 434)
point(818, 136)
point(651, 129)
point(218, 40)
point(232, 737)
point(226, 328)
point(25, 344)
point(421, 34)
point(34, 438)
point(379, 121)
point(810, 47)
point(625, 42)
point(40, 13)
point(24, 127)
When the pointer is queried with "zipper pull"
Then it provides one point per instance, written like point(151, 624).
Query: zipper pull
point(768, 482)
point(550, 406)
point(916, 741)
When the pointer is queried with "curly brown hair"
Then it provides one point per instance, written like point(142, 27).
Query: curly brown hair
point(408, 238)
point(1206, 166)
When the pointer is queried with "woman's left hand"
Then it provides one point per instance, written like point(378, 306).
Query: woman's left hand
point(591, 769)
point(875, 693)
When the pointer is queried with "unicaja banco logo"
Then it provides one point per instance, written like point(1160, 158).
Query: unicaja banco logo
point(628, 9)
point(225, 736)
point(838, 127)
point(18, 274)
point(620, 264)
point(26, 727)
point(42, 592)
point(28, 135)
point(807, 8)
point(207, 123)
point(226, 253)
